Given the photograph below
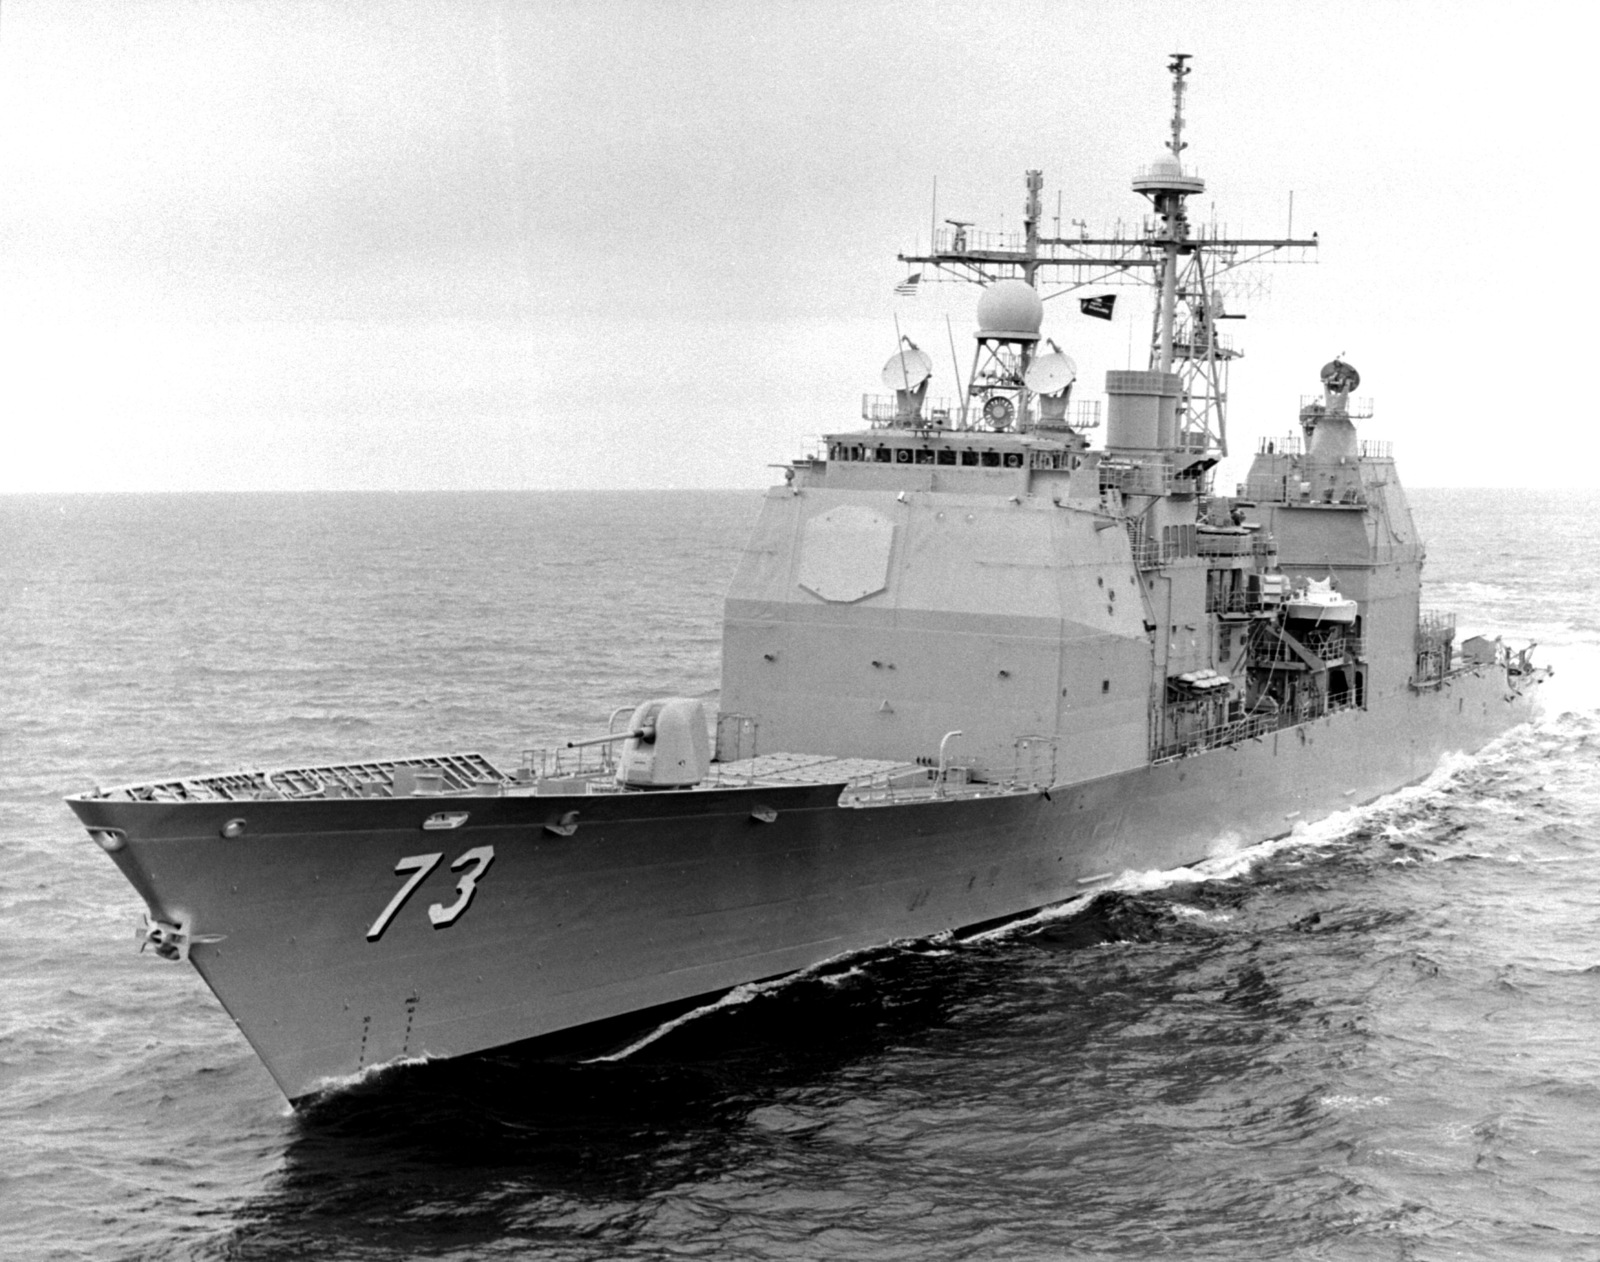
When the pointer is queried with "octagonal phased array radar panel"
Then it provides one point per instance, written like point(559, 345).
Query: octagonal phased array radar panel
point(1050, 374)
point(907, 369)
point(844, 553)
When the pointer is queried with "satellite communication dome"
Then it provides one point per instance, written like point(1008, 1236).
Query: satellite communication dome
point(907, 370)
point(1166, 175)
point(1010, 309)
point(1050, 374)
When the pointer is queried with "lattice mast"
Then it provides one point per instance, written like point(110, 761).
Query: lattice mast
point(1181, 263)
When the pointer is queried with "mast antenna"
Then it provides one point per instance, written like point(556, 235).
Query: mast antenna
point(1184, 267)
point(1180, 72)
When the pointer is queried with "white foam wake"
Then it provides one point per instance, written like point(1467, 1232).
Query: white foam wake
point(336, 1083)
point(822, 971)
point(1234, 861)
point(1574, 685)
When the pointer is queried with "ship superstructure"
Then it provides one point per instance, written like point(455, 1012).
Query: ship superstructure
point(973, 664)
point(978, 566)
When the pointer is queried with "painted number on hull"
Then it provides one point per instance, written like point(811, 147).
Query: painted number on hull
point(480, 857)
point(419, 865)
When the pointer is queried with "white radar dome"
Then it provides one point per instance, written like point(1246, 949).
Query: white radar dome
point(1166, 175)
point(1010, 309)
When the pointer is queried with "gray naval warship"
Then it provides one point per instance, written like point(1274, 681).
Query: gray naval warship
point(973, 665)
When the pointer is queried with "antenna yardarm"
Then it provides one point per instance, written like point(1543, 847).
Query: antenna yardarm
point(1180, 262)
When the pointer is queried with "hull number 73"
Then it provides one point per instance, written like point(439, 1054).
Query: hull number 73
point(476, 862)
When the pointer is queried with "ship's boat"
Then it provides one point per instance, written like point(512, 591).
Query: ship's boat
point(1317, 602)
point(972, 665)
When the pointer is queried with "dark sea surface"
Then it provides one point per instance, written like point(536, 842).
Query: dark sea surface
point(1377, 1038)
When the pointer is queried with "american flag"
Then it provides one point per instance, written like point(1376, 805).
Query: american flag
point(908, 287)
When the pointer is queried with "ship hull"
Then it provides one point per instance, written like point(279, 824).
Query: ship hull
point(513, 931)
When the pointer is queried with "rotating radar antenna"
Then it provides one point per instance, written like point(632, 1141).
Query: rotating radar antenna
point(1339, 377)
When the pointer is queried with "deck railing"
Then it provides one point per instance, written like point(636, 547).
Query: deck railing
point(888, 411)
point(1357, 408)
point(1294, 445)
point(1146, 478)
point(1252, 726)
point(1293, 489)
point(1258, 543)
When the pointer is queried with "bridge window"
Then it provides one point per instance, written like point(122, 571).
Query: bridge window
point(947, 455)
point(883, 455)
point(902, 455)
point(1013, 460)
point(991, 460)
point(924, 455)
point(969, 457)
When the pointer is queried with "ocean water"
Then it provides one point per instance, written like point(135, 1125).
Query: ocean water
point(1376, 1038)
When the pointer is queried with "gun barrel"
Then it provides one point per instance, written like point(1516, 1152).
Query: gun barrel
point(614, 737)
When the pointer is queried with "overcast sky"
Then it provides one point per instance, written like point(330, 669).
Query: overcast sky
point(457, 245)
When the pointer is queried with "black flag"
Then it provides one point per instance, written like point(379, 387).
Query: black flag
point(1099, 308)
